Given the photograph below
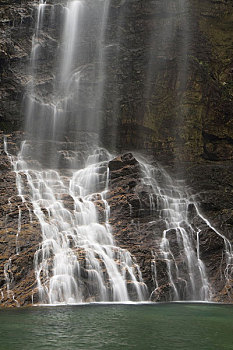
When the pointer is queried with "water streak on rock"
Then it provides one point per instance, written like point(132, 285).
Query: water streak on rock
point(173, 206)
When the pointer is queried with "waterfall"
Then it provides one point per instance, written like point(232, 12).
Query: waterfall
point(78, 259)
point(77, 77)
point(179, 244)
point(188, 282)
point(62, 171)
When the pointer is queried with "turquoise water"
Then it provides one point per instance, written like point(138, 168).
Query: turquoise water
point(114, 327)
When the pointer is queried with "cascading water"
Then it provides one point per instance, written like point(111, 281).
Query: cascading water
point(63, 172)
point(179, 245)
point(173, 204)
point(77, 260)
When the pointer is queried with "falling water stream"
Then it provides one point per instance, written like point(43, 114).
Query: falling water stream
point(78, 259)
point(173, 205)
point(75, 246)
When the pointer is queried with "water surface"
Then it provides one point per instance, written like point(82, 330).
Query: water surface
point(112, 327)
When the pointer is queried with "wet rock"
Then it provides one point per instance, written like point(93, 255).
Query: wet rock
point(139, 228)
point(66, 200)
point(136, 226)
point(158, 110)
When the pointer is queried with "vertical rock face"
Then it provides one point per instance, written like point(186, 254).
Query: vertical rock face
point(16, 26)
point(178, 99)
point(169, 69)
point(209, 96)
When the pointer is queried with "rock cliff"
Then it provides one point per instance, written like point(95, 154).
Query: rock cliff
point(168, 96)
point(169, 68)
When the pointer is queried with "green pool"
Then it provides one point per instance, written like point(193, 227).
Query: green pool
point(112, 327)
